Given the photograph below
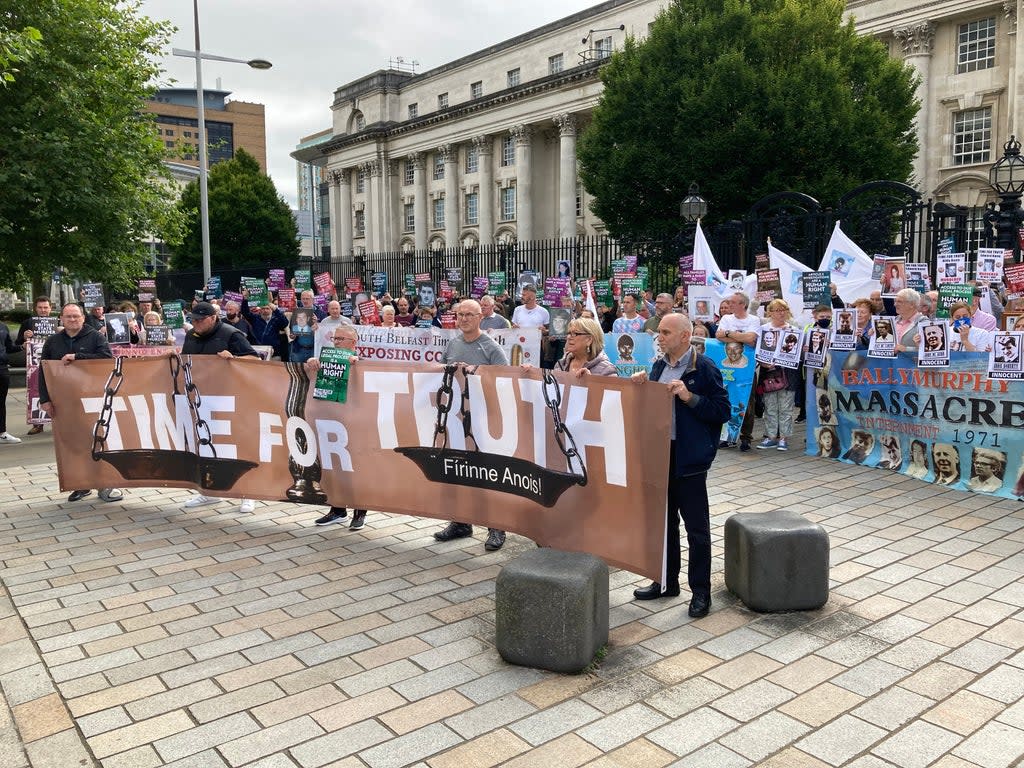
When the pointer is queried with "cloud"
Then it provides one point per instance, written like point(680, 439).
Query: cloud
point(318, 45)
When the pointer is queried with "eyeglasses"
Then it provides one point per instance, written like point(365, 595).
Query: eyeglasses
point(574, 334)
point(461, 315)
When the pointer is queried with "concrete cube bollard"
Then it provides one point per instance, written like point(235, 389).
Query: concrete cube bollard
point(776, 561)
point(551, 609)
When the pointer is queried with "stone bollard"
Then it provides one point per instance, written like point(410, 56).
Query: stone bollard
point(551, 610)
point(776, 561)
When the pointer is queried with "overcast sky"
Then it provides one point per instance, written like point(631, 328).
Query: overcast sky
point(318, 45)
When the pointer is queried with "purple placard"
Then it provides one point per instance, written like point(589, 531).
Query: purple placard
point(685, 263)
point(479, 288)
point(695, 277)
point(321, 300)
point(554, 289)
point(276, 277)
point(232, 296)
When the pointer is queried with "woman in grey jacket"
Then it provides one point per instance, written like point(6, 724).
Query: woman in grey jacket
point(584, 350)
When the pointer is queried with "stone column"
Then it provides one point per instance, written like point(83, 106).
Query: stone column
point(450, 152)
point(484, 146)
point(523, 136)
point(1015, 93)
point(393, 205)
point(566, 175)
point(420, 201)
point(916, 42)
point(341, 214)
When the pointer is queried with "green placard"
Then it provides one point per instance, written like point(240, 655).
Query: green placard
point(950, 295)
point(174, 317)
point(332, 378)
point(303, 280)
point(633, 285)
point(603, 291)
point(497, 283)
point(258, 291)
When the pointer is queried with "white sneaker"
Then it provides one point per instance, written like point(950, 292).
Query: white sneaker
point(248, 505)
point(7, 437)
point(199, 501)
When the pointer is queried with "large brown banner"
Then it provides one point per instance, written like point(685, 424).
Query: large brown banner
point(262, 435)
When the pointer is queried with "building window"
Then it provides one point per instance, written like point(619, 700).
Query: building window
point(508, 203)
point(360, 223)
point(188, 134)
point(414, 111)
point(438, 166)
point(409, 217)
point(508, 152)
point(476, 90)
point(556, 64)
point(579, 199)
point(603, 48)
point(169, 144)
point(409, 175)
point(972, 136)
point(512, 78)
point(439, 212)
point(976, 45)
point(472, 160)
point(442, 101)
point(358, 121)
point(360, 181)
point(473, 208)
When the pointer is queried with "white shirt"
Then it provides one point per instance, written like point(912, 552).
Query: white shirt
point(530, 318)
point(749, 324)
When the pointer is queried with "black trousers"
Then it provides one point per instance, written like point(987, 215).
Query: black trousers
point(688, 498)
point(5, 385)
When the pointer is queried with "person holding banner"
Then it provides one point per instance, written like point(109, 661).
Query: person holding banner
point(742, 327)
point(474, 347)
point(964, 337)
point(700, 406)
point(76, 341)
point(342, 337)
point(908, 316)
point(584, 350)
point(779, 398)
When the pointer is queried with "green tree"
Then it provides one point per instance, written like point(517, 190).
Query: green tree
point(80, 165)
point(16, 46)
point(250, 224)
point(747, 97)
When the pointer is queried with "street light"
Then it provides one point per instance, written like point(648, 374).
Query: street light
point(1007, 178)
point(204, 195)
point(694, 206)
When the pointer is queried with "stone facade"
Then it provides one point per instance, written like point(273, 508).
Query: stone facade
point(482, 149)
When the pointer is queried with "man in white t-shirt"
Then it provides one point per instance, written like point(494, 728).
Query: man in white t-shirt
point(741, 326)
point(530, 314)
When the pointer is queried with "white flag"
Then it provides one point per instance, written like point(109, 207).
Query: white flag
point(705, 260)
point(790, 271)
point(850, 267)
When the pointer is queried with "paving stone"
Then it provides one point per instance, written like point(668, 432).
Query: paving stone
point(841, 740)
point(712, 755)
point(964, 712)
point(692, 731)
point(203, 737)
point(405, 750)
point(995, 745)
point(752, 700)
point(492, 714)
point(764, 736)
point(266, 741)
point(893, 708)
point(614, 730)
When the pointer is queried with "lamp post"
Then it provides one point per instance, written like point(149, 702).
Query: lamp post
point(1007, 178)
point(694, 207)
point(204, 197)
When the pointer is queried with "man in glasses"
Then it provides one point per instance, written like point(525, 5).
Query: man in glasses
point(343, 337)
point(472, 347)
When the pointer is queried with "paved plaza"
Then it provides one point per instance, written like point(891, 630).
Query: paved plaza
point(135, 634)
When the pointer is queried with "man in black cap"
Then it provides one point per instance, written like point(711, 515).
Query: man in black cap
point(210, 336)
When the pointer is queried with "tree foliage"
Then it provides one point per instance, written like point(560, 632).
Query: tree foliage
point(16, 47)
point(80, 165)
point(250, 223)
point(746, 97)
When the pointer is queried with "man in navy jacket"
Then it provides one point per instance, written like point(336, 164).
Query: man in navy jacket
point(700, 408)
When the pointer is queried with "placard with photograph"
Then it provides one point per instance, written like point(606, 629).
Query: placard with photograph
point(702, 303)
point(918, 277)
point(951, 268)
point(737, 278)
point(933, 349)
point(1011, 321)
point(118, 331)
point(817, 347)
point(844, 329)
point(768, 342)
point(1005, 360)
point(989, 267)
point(894, 278)
point(790, 348)
point(883, 338)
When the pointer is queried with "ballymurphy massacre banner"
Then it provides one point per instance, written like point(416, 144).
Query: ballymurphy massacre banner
point(264, 436)
point(949, 426)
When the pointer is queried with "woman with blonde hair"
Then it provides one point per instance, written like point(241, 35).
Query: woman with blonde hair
point(778, 385)
point(584, 350)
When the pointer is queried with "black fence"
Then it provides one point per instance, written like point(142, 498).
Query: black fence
point(881, 217)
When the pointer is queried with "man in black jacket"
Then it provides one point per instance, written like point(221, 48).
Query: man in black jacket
point(77, 341)
point(700, 408)
point(211, 336)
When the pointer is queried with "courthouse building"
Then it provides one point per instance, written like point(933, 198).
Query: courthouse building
point(482, 149)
